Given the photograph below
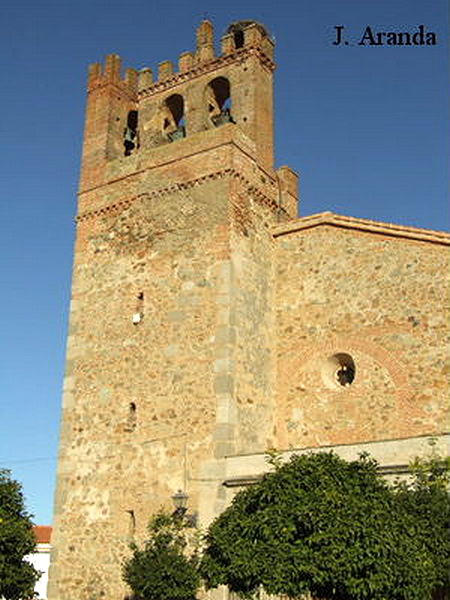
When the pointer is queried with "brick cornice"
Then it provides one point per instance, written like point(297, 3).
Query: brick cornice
point(119, 86)
point(202, 68)
point(188, 152)
point(252, 189)
point(366, 225)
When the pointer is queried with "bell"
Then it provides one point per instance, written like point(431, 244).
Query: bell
point(223, 118)
point(178, 134)
point(129, 136)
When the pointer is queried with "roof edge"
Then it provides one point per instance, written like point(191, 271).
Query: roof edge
point(42, 533)
point(376, 227)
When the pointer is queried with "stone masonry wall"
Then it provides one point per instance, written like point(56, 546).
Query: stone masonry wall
point(147, 403)
point(383, 301)
point(134, 392)
point(252, 261)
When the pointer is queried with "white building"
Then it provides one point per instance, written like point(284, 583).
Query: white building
point(41, 558)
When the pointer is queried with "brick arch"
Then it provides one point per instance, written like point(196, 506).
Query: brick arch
point(351, 345)
point(217, 101)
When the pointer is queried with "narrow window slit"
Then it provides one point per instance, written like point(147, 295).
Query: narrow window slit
point(138, 315)
point(131, 523)
point(131, 421)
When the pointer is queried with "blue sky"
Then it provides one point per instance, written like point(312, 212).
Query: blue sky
point(366, 128)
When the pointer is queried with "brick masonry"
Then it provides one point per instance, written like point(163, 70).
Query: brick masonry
point(206, 319)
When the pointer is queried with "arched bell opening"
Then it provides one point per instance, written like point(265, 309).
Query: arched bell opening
point(219, 102)
point(130, 134)
point(238, 37)
point(236, 30)
point(173, 119)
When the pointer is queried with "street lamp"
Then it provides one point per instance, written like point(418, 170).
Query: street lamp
point(180, 500)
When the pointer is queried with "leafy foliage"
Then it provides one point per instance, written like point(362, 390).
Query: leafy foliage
point(322, 525)
point(17, 577)
point(426, 501)
point(166, 568)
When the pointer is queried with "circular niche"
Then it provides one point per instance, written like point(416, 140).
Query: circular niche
point(339, 371)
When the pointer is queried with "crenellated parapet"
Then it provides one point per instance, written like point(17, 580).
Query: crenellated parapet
point(111, 73)
point(205, 42)
point(189, 69)
point(139, 111)
point(242, 39)
point(247, 34)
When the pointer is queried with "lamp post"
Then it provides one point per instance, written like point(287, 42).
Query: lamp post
point(180, 500)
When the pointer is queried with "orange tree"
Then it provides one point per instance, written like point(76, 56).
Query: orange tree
point(17, 576)
point(425, 500)
point(335, 529)
point(166, 567)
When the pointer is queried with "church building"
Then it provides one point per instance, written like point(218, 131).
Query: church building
point(209, 323)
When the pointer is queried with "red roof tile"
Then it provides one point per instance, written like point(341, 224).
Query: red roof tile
point(42, 533)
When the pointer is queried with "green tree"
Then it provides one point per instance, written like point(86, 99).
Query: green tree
point(321, 525)
point(17, 576)
point(425, 499)
point(166, 568)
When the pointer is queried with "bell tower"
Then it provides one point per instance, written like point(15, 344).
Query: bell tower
point(170, 364)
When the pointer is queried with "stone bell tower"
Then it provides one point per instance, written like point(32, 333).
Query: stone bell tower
point(169, 356)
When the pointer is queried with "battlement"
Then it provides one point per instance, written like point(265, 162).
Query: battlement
point(111, 72)
point(240, 39)
point(135, 111)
